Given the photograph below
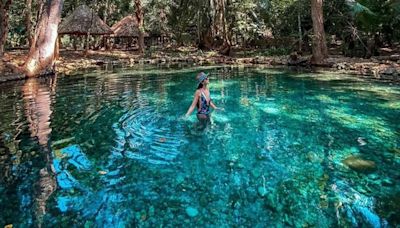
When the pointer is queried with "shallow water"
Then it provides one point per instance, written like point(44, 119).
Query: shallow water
point(109, 148)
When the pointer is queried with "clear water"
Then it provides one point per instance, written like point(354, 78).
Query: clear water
point(109, 149)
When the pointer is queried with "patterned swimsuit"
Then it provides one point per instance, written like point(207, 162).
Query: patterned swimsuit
point(203, 107)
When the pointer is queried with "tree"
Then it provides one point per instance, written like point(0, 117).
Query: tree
point(139, 17)
point(180, 17)
point(4, 7)
point(319, 49)
point(220, 26)
point(376, 17)
point(41, 54)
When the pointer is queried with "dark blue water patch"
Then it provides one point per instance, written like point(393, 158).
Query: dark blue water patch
point(116, 148)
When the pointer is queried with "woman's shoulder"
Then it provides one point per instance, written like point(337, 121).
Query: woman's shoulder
point(198, 92)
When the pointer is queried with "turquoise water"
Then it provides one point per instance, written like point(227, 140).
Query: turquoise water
point(110, 149)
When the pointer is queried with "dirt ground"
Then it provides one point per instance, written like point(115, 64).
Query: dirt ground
point(387, 67)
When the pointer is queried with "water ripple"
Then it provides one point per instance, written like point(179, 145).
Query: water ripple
point(144, 134)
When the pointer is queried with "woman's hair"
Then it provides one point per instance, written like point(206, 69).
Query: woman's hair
point(199, 87)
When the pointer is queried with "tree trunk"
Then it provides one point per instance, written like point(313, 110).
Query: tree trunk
point(106, 12)
point(198, 27)
point(300, 33)
point(4, 8)
point(139, 18)
point(41, 55)
point(219, 19)
point(213, 18)
point(28, 22)
point(319, 49)
point(87, 37)
point(38, 15)
point(225, 47)
point(57, 48)
point(223, 20)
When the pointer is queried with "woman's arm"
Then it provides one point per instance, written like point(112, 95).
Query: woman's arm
point(193, 105)
point(213, 105)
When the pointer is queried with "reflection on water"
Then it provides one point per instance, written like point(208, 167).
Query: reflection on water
point(37, 101)
point(109, 149)
point(27, 187)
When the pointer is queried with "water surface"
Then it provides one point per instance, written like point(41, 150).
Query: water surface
point(109, 148)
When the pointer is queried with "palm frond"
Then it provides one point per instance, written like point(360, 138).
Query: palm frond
point(395, 4)
point(357, 8)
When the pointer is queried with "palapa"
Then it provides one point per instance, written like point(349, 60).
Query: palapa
point(126, 27)
point(83, 21)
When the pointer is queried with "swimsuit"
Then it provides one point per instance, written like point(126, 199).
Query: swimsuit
point(203, 107)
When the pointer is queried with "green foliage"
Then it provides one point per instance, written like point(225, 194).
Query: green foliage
point(156, 16)
point(188, 20)
point(377, 16)
point(181, 18)
point(244, 20)
point(278, 51)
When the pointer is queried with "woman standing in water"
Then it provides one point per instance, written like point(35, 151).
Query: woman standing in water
point(202, 99)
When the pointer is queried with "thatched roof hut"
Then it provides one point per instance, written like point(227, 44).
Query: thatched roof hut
point(82, 21)
point(126, 27)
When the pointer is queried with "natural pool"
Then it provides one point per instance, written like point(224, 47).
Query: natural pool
point(109, 149)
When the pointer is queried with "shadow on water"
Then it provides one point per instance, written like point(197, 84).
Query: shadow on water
point(32, 186)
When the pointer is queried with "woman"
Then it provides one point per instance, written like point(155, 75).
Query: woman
point(202, 98)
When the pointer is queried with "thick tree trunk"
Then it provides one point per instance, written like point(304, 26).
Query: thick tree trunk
point(224, 24)
point(319, 49)
point(218, 22)
point(213, 17)
point(41, 55)
point(224, 44)
point(28, 22)
point(139, 18)
point(4, 8)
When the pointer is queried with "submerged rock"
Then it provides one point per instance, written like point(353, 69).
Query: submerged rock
point(192, 212)
point(262, 191)
point(387, 182)
point(395, 151)
point(359, 164)
point(389, 207)
point(180, 179)
point(373, 176)
point(313, 157)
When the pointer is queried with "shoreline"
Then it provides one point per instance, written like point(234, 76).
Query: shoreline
point(386, 68)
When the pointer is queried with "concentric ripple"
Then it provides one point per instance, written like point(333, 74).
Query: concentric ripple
point(145, 135)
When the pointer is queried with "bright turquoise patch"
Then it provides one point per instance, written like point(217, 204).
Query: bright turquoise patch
point(288, 150)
